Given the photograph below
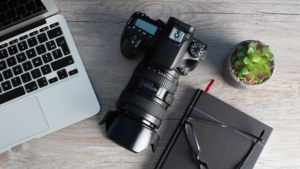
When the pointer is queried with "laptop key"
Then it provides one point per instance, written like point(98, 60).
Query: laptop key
point(3, 54)
point(21, 57)
point(22, 46)
point(62, 63)
point(73, 72)
point(2, 65)
point(7, 74)
point(16, 81)
point(42, 38)
point(27, 66)
point(17, 70)
point(6, 86)
point(54, 25)
point(36, 73)
point(32, 42)
point(42, 82)
point(13, 41)
point(12, 4)
point(21, 10)
point(61, 42)
point(44, 29)
point(27, 14)
point(41, 49)
point(3, 45)
point(37, 62)
point(54, 33)
point(33, 33)
point(50, 45)
point(57, 54)
point(11, 14)
point(46, 69)
point(62, 74)
point(30, 6)
point(2, 16)
point(15, 93)
point(47, 58)
point(53, 80)
point(3, 7)
point(21, 2)
point(12, 50)
point(23, 37)
point(1, 78)
point(30, 87)
point(11, 61)
point(31, 53)
point(25, 77)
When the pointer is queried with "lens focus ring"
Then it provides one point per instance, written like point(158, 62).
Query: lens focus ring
point(150, 106)
point(171, 86)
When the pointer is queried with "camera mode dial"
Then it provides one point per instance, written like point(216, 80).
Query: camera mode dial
point(197, 50)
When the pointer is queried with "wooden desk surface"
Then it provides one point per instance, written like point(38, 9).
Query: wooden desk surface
point(97, 26)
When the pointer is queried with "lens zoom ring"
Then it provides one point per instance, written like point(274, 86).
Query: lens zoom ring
point(160, 79)
point(149, 105)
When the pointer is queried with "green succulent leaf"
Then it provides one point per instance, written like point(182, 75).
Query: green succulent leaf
point(256, 59)
point(250, 76)
point(258, 79)
point(241, 76)
point(252, 45)
point(259, 75)
point(260, 67)
point(245, 70)
point(239, 64)
point(265, 49)
point(234, 57)
point(257, 44)
point(259, 52)
point(250, 52)
point(251, 68)
point(263, 60)
point(242, 49)
point(270, 56)
point(247, 60)
point(267, 72)
point(241, 56)
point(270, 64)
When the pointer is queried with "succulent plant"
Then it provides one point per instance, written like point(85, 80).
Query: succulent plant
point(254, 61)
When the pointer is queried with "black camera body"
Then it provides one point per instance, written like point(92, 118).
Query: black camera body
point(170, 51)
point(173, 43)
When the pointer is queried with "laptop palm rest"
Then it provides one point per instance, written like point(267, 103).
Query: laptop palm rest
point(21, 121)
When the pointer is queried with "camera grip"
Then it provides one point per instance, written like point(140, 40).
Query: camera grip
point(127, 48)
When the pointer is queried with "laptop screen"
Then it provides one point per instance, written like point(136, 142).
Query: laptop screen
point(13, 12)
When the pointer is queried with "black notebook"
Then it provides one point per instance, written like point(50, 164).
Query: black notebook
point(220, 148)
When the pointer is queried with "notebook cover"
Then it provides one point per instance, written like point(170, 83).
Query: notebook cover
point(221, 148)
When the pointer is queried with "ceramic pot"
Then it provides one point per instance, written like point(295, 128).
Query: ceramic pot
point(231, 78)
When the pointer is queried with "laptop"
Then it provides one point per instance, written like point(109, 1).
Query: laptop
point(43, 83)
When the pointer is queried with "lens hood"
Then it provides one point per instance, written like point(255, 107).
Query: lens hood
point(128, 132)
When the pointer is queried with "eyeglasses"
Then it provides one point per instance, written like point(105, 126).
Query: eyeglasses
point(194, 144)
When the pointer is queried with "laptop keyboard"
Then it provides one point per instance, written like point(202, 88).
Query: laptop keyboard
point(25, 62)
point(12, 11)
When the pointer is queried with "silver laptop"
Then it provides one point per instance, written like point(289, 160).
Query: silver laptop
point(43, 83)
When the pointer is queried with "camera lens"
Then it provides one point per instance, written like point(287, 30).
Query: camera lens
point(148, 94)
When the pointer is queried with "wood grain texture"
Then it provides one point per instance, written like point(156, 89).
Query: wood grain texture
point(96, 27)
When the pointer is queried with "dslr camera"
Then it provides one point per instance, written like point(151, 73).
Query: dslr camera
point(170, 51)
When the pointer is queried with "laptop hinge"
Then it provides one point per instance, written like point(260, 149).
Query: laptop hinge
point(22, 30)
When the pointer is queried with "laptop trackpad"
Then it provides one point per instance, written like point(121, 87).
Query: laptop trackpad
point(21, 121)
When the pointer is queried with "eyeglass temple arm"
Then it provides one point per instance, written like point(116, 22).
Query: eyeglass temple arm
point(251, 150)
point(225, 126)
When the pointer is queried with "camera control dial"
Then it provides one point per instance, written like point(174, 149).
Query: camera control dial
point(198, 50)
